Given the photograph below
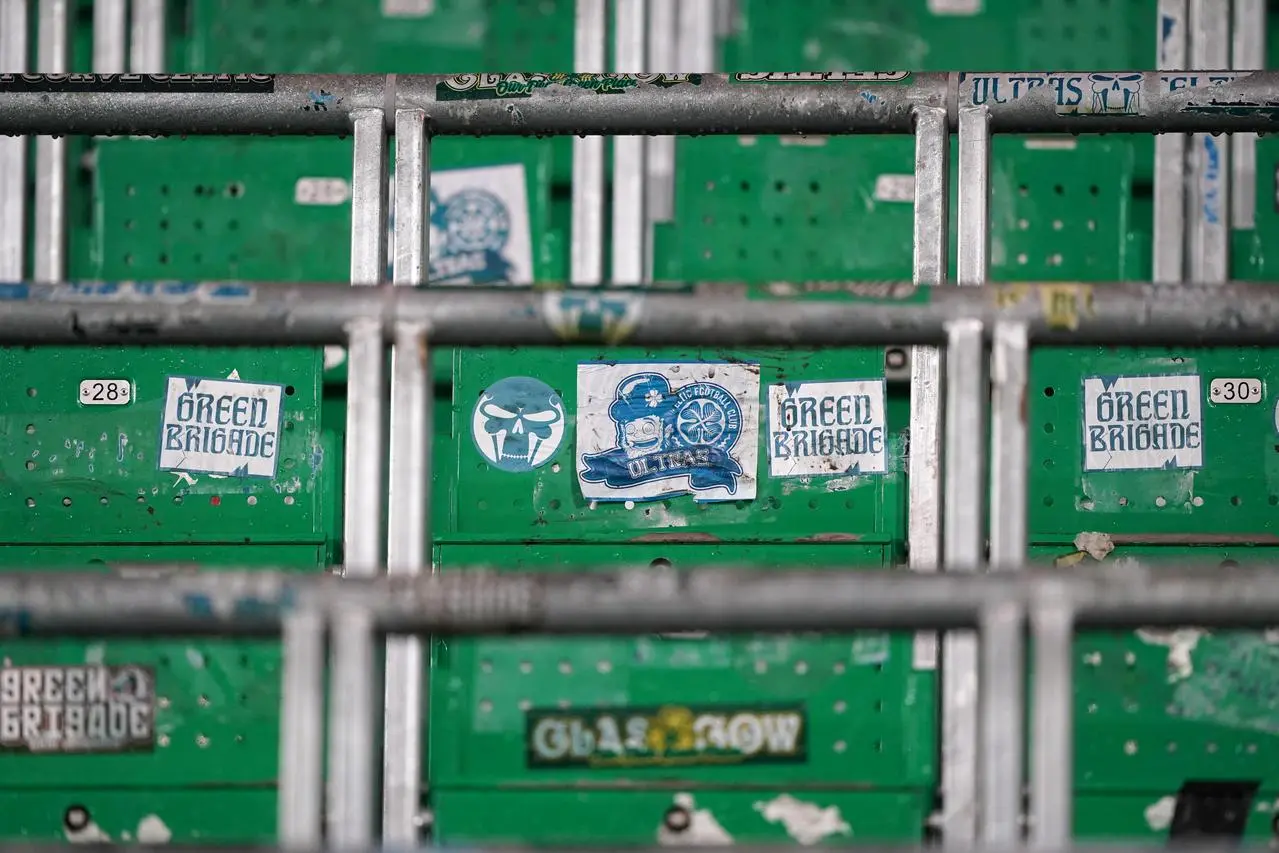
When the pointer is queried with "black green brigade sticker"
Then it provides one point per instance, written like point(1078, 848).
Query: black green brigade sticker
point(483, 87)
point(209, 84)
point(667, 736)
point(823, 77)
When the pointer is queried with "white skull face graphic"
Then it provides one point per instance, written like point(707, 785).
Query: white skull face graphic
point(642, 436)
point(518, 424)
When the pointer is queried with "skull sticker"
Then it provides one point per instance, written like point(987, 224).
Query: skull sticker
point(518, 424)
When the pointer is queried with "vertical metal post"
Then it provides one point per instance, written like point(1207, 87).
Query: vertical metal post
point(51, 153)
point(1249, 49)
point(1169, 242)
point(410, 479)
point(1210, 155)
point(1052, 727)
point(963, 545)
point(110, 36)
point(697, 26)
point(147, 43)
point(663, 53)
point(974, 195)
point(1008, 446)
point(932, 234)
point(630, 221)
point(13, 149)
point(586, 254)
point(963, 519)
point(352, 682)
point(301, 795)
point(1002, 723)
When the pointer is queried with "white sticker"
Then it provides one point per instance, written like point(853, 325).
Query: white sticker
point(826, 428)
point(106, 392)
point(480, 226)
point(895, 188)
point(1237, 391)
point(408, 8)
point(321, 191)
point(650, 430)
point(220, 426)
point(518, 424)
point(1142, 422)
point(954, 7)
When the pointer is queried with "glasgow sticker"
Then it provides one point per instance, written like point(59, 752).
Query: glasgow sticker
point(1142, 423)
point(650, 430)
point(77, 708)
point(818, 428)
point(518, 424)
point(220, 426)
point(667, 736)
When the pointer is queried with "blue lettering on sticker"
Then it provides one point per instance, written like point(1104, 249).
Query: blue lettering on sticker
point(827, 426)
point(1212, 181)
point(1145, 420)
point(664, 434)
point(1097, 94)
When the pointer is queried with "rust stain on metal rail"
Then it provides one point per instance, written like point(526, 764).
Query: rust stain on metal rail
point(827, 538)
point(676, 537)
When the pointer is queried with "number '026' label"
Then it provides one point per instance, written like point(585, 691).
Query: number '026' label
point(1235, 391)
point(106, 392)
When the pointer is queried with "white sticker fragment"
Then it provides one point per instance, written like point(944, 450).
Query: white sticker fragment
point(807, 823)
point(220, 426)
point(1142, 423)
point(408, 8)
point(703, 830)
point(1159, 813)
point(1181, 643)
point(827, 428)
point(900, 188)
point(152, 830)
point(334, 355)
point(1096, 545)
point(90, 833)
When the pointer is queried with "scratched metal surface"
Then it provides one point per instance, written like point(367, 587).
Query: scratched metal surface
point(870, 714)
point(77, 473)
point(1156, 707)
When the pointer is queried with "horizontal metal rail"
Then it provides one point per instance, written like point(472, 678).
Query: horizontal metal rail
point(621, 104)
point(476, 601)
point(710, 315)
point(1150, 847)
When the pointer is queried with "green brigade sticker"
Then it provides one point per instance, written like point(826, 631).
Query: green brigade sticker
point(667, 736)
point(823, 77)
point(483, 87)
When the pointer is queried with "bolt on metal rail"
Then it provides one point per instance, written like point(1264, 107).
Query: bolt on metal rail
point(416, 107)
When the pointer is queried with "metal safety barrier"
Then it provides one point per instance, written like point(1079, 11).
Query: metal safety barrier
point(416, 107)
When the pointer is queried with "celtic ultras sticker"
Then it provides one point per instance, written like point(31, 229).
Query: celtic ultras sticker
point(650, 430)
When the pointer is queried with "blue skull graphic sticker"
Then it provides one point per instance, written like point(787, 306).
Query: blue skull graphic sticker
point(518, 424)
point(647, 431)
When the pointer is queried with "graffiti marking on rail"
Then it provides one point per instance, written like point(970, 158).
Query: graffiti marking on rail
point(483, 87)
point(320, 101)
point(169, 292)
point(823, 77)
point(148, 83)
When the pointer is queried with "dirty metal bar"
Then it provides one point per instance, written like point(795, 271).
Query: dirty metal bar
point(13, 150)
point(325, 104)
point(53, 33)
point(630, 218)
point(1052, 732)
point(1002, 722)
point(409, 476)
point(663, 52)
point(932, 232)
point(352, 658)
point(726, 598)
point(301, 796)
point(147, 42)
point(586, 254)
point(1249, 54)
point(974, 195)
point(110, 36)
point(897, 314)
point(963, 541)
point(1208, 217)
point(1009, 470)
point(1169, 238)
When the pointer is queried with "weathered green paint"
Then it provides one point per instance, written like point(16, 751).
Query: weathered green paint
point(870, 712)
